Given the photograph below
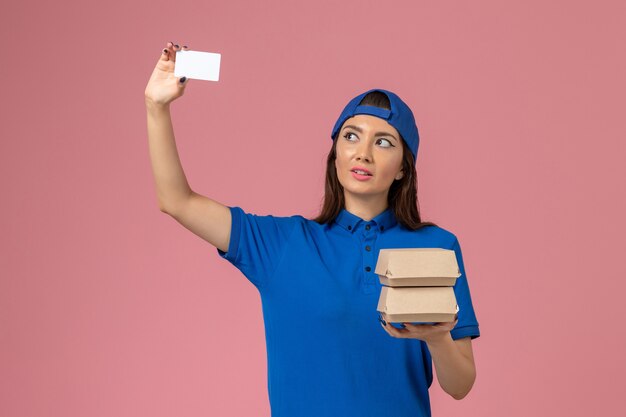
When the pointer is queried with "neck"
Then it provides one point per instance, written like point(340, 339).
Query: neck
point(365, 207)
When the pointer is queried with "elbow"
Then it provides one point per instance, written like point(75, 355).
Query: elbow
point(165, 208)
point(459, 395)
point(171, 206)
point(167, 211)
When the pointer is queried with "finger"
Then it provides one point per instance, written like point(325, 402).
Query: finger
point(394, 331)
point(384, 326)
point(387, 327)
point(182, 82)
point(383, 323)
point(414, 326)
point(167, 54)
point(175, 48)
point(171, 50)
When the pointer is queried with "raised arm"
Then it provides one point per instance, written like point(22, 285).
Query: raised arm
point(201, 215)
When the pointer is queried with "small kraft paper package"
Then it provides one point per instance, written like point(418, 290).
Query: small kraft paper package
point(417, 285)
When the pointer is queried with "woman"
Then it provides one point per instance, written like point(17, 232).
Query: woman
point(327, 353)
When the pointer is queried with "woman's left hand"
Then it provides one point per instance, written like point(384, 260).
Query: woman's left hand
point(429, 333)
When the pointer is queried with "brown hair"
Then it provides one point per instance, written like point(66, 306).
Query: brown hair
point(402, 196)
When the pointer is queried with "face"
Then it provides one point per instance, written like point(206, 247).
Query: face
point(370, 143)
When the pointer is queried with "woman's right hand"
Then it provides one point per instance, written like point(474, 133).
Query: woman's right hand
point(163, 87)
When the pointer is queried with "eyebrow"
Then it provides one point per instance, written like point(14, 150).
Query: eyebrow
point(358, 129)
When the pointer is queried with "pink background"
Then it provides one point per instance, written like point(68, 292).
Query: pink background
point(108, 307)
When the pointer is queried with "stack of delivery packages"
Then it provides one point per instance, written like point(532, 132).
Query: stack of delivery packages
point(417, 285)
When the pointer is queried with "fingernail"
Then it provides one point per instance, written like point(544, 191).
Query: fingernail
point(177, 46)
point(182, 80)
point(185, 46)
point(165, 51)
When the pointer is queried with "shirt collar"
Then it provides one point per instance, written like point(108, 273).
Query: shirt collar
point(352, 222)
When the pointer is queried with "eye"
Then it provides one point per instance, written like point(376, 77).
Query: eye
point(389, 143)
point(386, 142)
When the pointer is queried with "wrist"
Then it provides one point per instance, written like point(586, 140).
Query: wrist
point(439, 341)
point(153, 106)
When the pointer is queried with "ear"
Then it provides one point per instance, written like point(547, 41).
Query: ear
point(400, 175)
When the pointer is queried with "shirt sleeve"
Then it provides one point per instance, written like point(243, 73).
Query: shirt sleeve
point(257, 243)
point(467, 325)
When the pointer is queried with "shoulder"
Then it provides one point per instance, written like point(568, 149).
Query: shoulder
point(438, 235)
point(294, 218)
point(267, 222)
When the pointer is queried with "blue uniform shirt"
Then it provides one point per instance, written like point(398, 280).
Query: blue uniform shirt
point(327, 354)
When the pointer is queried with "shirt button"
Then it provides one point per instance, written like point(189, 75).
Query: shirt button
point(349, 227)
point(368, 269)
point(367, 227)
point(382, 228)
point(367, 248)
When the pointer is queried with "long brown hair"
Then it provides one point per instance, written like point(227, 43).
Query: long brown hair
point(402, 196)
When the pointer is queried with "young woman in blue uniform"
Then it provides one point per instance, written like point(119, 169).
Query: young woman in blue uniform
point(328, 352)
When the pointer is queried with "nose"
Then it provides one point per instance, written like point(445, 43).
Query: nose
point(363, 153)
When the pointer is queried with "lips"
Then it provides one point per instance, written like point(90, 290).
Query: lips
point(361, 171)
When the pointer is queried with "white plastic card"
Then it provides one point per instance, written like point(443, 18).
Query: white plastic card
point(198, 65)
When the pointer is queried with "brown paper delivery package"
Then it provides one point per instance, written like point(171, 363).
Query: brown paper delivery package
point(417, 284)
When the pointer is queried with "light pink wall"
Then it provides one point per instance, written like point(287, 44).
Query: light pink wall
point(108, 307)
